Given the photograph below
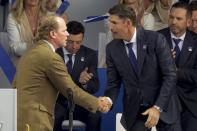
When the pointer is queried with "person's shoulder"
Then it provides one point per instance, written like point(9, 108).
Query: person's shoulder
point(11, 16)
point(114, 42)
point(163, 31)
point(87, 50)
point(150, 35)
point(192, 34)
point(191, 37)
point(153, 37)
point(44, 49)
point(40, 53)
point(149, 32)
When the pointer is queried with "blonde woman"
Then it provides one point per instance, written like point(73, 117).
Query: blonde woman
point(23, 21)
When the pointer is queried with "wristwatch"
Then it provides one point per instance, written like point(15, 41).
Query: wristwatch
point(158, 108)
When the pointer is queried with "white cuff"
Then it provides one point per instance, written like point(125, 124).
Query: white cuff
point(109, 99)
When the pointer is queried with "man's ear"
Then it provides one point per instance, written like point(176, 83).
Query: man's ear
point(128, 23)
point(52, 34)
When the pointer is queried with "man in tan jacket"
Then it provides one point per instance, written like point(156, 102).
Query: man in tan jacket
point(41, 74)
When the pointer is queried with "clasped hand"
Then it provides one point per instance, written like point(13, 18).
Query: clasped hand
point(104, 104)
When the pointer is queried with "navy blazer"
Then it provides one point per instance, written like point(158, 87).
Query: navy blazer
point(187, 70)
point(85, 57)
point(155, 82)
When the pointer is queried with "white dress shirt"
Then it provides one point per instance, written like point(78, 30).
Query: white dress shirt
point(66, 59)
point(134, 41)
point(180, 43)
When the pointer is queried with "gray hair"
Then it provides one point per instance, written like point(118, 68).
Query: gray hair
point(48, 24)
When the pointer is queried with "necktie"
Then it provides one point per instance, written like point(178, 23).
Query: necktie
point(132, 57)
point(177, 49)
point(69, 63)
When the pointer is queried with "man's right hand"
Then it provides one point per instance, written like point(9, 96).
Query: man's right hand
point(104, 104)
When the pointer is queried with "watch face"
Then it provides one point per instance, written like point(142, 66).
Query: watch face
point(158, 108)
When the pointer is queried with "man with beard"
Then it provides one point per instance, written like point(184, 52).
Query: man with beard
point(184, 50)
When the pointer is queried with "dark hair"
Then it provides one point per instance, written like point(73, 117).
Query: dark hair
point(75, 28)
point(124, 12)
point(182, 5)
point(193, 5)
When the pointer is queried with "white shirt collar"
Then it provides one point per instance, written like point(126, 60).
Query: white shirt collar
point(66, 52)
point(133, 39)
point(52, 47)
point(182, 37)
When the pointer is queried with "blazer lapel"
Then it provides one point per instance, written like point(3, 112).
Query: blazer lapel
point(79, 62)
point(60, 52)
point(169, 39)
point(141, 49)
point(186, 50)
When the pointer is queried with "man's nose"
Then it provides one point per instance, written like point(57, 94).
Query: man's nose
point(74, 45)
point(174, 21)
point(67, 34)
point(111, 28)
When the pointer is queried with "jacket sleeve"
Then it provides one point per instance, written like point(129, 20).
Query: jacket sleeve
point(168, 72)
point(60, 78)
point(93, 84)
point(113, 77)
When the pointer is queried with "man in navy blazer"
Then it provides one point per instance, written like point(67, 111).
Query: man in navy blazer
point(83, 73)
point(186, 62)
point(141, 60)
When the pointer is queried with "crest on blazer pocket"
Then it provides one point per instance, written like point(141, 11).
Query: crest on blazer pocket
point(190, 49)
point(144, 47)
point(82, 59)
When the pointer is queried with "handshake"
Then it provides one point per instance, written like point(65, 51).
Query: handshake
point(104, 104)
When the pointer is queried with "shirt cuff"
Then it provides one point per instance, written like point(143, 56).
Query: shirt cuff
point(109, 99)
